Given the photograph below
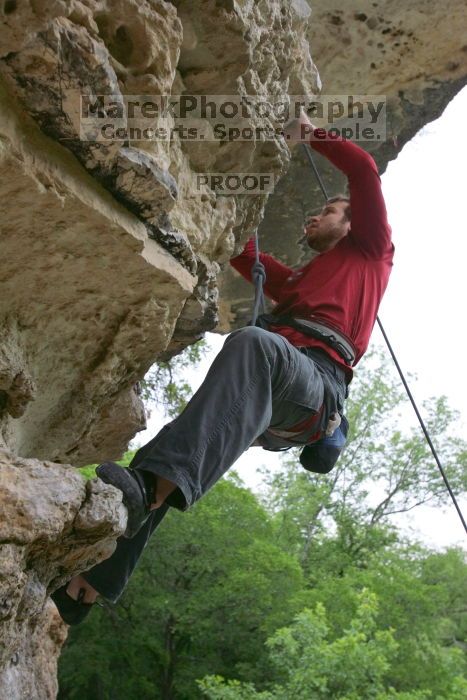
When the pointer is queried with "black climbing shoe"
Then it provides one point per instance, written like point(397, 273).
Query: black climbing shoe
point(138, 492)
point(71, 611)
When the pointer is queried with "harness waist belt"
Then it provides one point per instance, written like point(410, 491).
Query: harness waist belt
point(316, 329)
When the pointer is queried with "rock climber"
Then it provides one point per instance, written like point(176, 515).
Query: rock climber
point(281, 384)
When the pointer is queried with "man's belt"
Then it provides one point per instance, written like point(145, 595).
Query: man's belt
point(315, 329)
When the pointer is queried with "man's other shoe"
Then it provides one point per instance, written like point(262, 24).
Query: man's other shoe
point(71, 611)
point(138, 489)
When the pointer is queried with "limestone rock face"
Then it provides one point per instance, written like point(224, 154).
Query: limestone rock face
point(53, 526)
point(109, 260)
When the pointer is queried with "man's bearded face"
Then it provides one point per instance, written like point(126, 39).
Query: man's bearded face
point(324, 231)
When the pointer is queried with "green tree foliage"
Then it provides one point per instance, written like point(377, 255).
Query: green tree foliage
point(208, 591)
point(387, 449)
point(314, 666)
point(428, 619)
point(411, 645)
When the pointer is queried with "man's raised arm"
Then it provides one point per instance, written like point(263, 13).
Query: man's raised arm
point(370, 229)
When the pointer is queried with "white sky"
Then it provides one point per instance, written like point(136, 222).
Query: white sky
point(424, 307)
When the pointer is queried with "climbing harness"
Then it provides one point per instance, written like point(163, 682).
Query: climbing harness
point(259, 278)
point(316, 329)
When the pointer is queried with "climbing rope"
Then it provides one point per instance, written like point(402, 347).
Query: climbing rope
point(422, 424)
point(259, 276)
point(258, 273)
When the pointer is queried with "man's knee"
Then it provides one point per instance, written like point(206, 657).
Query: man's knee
point(251, 334)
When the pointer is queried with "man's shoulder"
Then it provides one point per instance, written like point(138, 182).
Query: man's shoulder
point(353, 246)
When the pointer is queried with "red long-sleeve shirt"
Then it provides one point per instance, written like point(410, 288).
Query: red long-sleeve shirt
point(344, 286)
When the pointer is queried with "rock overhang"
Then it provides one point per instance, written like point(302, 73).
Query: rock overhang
point(96, 285)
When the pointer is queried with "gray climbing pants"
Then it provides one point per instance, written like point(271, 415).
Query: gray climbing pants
point(258, 384)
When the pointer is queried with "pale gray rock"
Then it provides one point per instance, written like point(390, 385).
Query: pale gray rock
point(53, 525)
